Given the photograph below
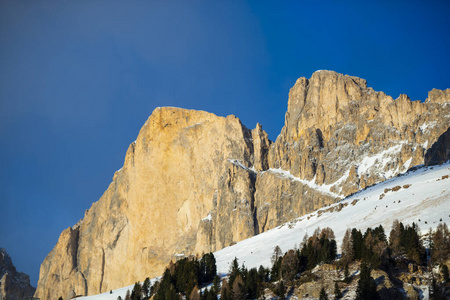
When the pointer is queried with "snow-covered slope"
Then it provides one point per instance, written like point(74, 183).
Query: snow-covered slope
point(421, 196)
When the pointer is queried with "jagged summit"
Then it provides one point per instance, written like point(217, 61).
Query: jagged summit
point(194, 182)
point(13, 285)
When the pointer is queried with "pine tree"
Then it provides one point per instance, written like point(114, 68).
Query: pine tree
point(238, 290)
point(411, 243)
point(234, 271)
point(225, 293)
point(277, 253)
point(166, 289)
point(136, 292)
point(441, 244)
point(323, 294)
point(358, 243)
point(252, 284)
point(263, 274)
point(444, 270)
point(208, 295)
point(337, 291)
point(289, 265)
point(347, 246)
point(394, 236)
point(347, 277)
point(275, 272)
point(216, 284)
point(154, 289)
point(327, 233)
point(367, 289)
point(128, 295)
point(195, 293)
point(146, 287)
point(281, 290)
point(208, 268)
point(304, 241)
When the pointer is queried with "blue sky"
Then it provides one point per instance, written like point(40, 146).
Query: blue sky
point(78, 79)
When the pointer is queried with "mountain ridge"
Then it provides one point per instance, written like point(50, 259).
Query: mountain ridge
point(194, 182)
point(410, 191)
point(14, 285)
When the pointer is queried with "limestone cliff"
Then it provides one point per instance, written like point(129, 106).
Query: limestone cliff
point(341, 136)
point(13, 285)
point(194, 182)
point(186, 173)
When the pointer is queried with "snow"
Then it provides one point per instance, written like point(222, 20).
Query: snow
point(324, 189)
point(238, 163)
point(370, 211)
point(424, 127)
point(407, 164)
point(426, 199)
point(107, 296)
point(379, 161)
point(208, 217)
point(341, 180)
point(115, 293)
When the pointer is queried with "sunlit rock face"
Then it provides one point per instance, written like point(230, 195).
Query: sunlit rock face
point(341, 136)
point(194, 182)
point(185, 187)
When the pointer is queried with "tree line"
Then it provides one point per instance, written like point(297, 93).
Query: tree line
point(188, 277)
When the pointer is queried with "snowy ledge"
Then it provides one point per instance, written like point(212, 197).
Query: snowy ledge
point(324, 189)
point(238, 163)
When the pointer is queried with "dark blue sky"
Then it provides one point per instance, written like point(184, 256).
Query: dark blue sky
point(78, 79)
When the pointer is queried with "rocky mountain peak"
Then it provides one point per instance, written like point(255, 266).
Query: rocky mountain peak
point(13, 285)
point(439, 96)
point(187, 172)
point(194, 182)
point(319, 100)
point(5, 261)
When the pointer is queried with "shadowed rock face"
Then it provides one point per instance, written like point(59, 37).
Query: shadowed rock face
point(13, 285)
point(194, 182)
point(439, 153)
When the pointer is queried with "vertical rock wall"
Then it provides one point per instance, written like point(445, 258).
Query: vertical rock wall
point(341, 136)
point(194, 182)
point(185, 178)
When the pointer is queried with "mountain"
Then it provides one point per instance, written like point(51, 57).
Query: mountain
point(421, 195)
point(13, 285)
point(194, 182)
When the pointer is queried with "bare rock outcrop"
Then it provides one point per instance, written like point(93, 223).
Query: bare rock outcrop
point(194, 182)
point(339, 137)
point(186, 187)
point(439, 153)
point(14, 285)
